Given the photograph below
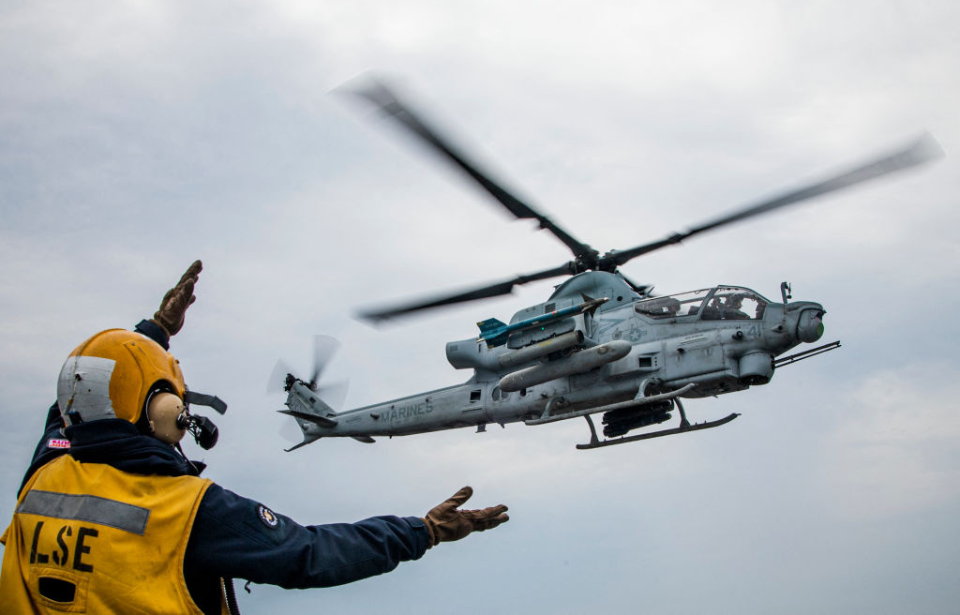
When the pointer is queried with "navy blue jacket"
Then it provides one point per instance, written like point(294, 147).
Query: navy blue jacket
point(235, 537)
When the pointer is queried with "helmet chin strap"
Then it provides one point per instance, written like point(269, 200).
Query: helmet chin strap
point(163, 410)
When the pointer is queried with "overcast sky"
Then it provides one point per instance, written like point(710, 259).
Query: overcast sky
point(138, 136)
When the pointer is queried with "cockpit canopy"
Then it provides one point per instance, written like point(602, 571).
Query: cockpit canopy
point(720, 303)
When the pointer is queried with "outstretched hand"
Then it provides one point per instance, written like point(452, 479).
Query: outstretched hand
point(174, 306)
point(446, 523)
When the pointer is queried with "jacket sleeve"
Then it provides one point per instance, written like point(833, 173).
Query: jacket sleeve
point(154, 332)
point(234, 537)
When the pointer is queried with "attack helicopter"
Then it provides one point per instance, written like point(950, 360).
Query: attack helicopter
point(600, 344)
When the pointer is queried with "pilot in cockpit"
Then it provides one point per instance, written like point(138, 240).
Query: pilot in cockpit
point(732, 308)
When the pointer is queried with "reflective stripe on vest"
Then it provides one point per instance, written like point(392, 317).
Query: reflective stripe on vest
point(90, 508)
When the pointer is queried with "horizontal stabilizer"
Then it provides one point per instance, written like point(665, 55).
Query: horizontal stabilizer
point(313, 418)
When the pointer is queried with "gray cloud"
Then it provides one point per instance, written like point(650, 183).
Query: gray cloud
point(142, 136)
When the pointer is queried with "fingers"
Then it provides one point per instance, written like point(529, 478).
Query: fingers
point(192, 271)
point(461, 497)
point(497, 510)
point(481, 516)
point(184, 287)
point(188, 279)
point(456, 501)
point(491, 511)
point(182, 298)
point(489, 524)
point(486, 518)
point(186, 292)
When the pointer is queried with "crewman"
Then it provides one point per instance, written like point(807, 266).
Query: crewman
point(112, 516)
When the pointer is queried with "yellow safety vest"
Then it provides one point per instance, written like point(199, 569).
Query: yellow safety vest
point(88, 538)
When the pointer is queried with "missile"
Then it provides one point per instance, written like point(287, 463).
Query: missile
point(495, 332)
point(554, 344)
point(579, 363)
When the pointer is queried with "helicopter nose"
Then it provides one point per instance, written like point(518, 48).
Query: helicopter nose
point(810, 326)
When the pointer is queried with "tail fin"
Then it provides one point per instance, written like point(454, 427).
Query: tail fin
point(305, 404)
point(489, 325)
point(306, 407)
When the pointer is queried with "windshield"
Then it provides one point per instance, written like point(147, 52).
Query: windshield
point(726, 303)
point(734, 303)
point(681, 304)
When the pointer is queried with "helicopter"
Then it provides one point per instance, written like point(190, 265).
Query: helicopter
point(600, 344)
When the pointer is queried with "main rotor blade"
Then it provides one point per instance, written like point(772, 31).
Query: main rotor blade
point(643, 290)
point(492, 290)
point(387, 101)
point(921, 151)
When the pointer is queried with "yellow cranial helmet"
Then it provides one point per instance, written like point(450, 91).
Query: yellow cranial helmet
point(112, 374)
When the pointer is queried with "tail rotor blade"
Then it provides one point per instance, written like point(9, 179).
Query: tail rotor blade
point(324, 347)
point(278, 378)
point(290, 430)
point(334, 394)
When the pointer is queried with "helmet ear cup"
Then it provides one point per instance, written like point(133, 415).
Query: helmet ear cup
point(163, 411)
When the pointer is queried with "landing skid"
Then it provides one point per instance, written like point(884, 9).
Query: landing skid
point(684, 427)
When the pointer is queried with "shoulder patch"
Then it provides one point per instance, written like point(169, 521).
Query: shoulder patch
point(268, 517)
point(58, 443)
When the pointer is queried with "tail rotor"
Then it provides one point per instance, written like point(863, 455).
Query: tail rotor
point(308, 410)
point(283, 376)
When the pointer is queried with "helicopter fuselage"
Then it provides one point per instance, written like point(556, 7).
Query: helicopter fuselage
point(628, 359)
